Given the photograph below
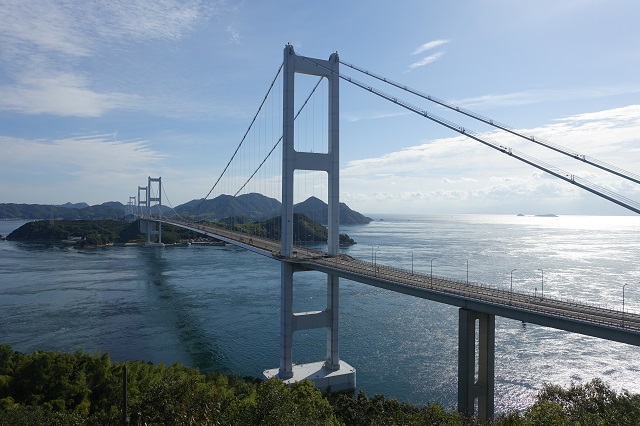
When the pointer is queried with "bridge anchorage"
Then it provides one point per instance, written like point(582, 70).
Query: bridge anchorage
point(332, 373)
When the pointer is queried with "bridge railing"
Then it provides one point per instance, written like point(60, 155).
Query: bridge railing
point(573, 310)
point(577, 311)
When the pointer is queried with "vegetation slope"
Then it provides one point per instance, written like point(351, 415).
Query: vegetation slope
point(305, 230)
point(90, 233)
point(51, 388)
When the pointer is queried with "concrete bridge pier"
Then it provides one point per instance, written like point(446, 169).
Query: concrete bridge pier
point(476, 384)
point(332, 373)
point(285, 371)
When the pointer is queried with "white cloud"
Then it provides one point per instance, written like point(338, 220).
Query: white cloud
point(353, 118)
point(234, 36)
point(463, 179)
point(428, 59)
point(428, 46)
point(92, 168)
point(457, 168)
point(39, 26)
point(610, 133)
point(425, 61)
point(41, 41)
point(62, 95)
point(411, 160)
point(528, 97)
point(91, 157)
point(79, 28)
point(629, 114)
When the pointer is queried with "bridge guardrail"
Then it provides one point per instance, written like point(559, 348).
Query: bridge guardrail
point(471, 291)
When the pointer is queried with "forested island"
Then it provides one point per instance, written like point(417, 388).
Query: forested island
point(93, 233)
point(52, 388)
point(99, 233)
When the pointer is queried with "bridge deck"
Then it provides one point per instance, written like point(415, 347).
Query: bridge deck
point(570, 316)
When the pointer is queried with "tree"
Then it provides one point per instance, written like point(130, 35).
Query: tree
point(297, 404)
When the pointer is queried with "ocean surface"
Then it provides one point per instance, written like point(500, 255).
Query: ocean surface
point(217, 308)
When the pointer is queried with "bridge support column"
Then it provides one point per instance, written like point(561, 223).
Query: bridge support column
point(157, 200)
point(286, 321)
point(333, 304)
point(470, 388)
point(332, 373)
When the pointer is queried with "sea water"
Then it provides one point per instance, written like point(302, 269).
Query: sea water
point(217, 308)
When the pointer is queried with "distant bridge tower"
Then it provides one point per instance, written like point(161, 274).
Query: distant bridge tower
point(142, 202)
point(332, 372)
point(130, 213)
point(154, 199)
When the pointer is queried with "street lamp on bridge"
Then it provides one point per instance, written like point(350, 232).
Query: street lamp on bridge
point(623, 303)
point(432, 270)
point(375, 261)
point(542, 288)
point(467, 271)
point(511, 293)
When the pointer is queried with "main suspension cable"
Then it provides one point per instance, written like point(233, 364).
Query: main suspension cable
point(559, 173)
point(164, 191)
point(279, 140)
point(558, 148)
point(243, 138)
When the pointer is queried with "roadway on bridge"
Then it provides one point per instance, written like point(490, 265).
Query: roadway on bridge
point(571, 316)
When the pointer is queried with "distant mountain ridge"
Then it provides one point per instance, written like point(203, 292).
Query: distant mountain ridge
point(109, 210)
point(253, 207)
point(74, 205)
point(318, 211)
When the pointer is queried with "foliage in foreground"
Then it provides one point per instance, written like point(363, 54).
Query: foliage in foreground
point(80, 389)
point(51, 388)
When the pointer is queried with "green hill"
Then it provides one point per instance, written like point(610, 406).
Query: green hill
point(318, 211)
point(305, 230)
point(253, 207)
point(89, 233)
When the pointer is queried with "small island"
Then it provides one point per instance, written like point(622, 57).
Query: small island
point(93, 233)
point(108, 232)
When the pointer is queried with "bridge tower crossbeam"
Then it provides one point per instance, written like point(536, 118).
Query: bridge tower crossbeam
point(332, 373)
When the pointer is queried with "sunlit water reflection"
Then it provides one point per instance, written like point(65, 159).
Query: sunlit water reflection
point(216, 308)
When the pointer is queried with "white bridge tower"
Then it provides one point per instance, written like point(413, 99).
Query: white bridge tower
point(332, 373)
point(152, 199)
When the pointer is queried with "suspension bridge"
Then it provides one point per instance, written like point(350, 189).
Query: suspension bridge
point(282, 158)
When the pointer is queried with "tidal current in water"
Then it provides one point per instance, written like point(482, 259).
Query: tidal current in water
point(217, 308)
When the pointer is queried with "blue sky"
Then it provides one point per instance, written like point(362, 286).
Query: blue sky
point(96, 96)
